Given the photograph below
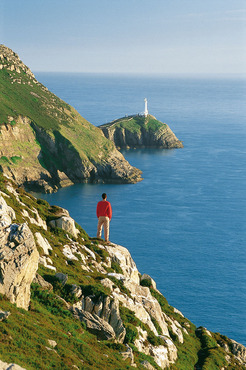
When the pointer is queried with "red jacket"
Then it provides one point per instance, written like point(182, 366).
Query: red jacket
point(104, 209)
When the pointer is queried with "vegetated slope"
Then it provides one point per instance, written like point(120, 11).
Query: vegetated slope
point(140, 132)
point(44, 142)
point(88, 306)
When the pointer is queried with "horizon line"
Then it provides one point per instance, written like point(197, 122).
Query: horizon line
point(166, 74)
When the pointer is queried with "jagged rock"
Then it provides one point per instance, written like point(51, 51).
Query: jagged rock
point(7, 214)
point(122, 256)
point(99, 267)
point(64, 179)
point(95, 324)
point(163, 355)
point(88, 305)
point(12, 366)
point(176, 328)
point(46, 262)
point(4, 315)
point(52, 343)
point(61, 212)
point(38, 279)
point(76, 290)
point(144, 305)
point(108, 283)
point(18, 263)
point(66, 223)
point(106, 309)
point(43, 243)
point(179, 312)
point(37, 220)
point(92, 254)
point(114, 319)
point(61, 277)
point(239, 351)
point(67, 251)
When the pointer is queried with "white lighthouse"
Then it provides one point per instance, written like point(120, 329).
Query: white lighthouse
point(145, 107)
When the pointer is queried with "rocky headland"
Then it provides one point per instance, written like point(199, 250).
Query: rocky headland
point(44, 142)
point(139, 131)
point(70, 301)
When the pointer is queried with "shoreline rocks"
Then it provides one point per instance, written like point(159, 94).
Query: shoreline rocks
point(140, 132)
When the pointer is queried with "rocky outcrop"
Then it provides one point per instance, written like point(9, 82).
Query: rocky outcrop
point(101, 286)
point(12, 366)
point(239, 351)
point(123, 258)
point(105, 312)
point(140, 132)
point(38, 279)
point(144, 305)
point(43, 243)
point(95, 324)
point(4, 315)
point(45, 144)
point(18, 258)
point(12, 62)
point(66, 223)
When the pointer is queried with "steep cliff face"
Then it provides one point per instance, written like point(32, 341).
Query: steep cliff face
point(44, 142)
point(89, 305)
point(140, 132)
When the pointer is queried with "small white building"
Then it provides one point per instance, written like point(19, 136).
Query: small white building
point(145, 107)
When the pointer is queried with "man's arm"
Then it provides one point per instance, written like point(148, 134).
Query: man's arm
point(97, 209)
point(110, 211)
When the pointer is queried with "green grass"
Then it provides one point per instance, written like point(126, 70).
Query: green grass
point(135, 124)
point(74, 137)
point(187, 352)
point(24, 338)
point(131, 322)
point(16, 159)
point(24, 335)
point(4, 160)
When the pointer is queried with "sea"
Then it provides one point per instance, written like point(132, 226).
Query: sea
point(185, 223)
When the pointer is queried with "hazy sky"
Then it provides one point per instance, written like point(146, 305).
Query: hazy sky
point(144, 36)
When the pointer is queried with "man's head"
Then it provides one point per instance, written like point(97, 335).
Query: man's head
point(104, 196)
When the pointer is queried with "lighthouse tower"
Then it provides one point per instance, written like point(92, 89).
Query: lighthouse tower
point(145, 107)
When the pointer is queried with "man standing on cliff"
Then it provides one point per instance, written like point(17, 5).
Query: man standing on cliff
point(104, 214)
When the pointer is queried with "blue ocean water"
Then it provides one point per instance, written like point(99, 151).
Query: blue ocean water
point(185, 223)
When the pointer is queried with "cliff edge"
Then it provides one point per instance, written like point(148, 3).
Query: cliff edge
point(44, 142)
point(71, 301)
point(138, 131)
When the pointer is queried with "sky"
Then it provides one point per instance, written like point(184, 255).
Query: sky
point(127, 36)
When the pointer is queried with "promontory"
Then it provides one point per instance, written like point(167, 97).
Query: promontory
point(44, 142)
point(140, 131)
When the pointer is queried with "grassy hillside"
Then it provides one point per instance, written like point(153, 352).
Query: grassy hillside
point(32, 117)
point(25, 335)
point(21, 95)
